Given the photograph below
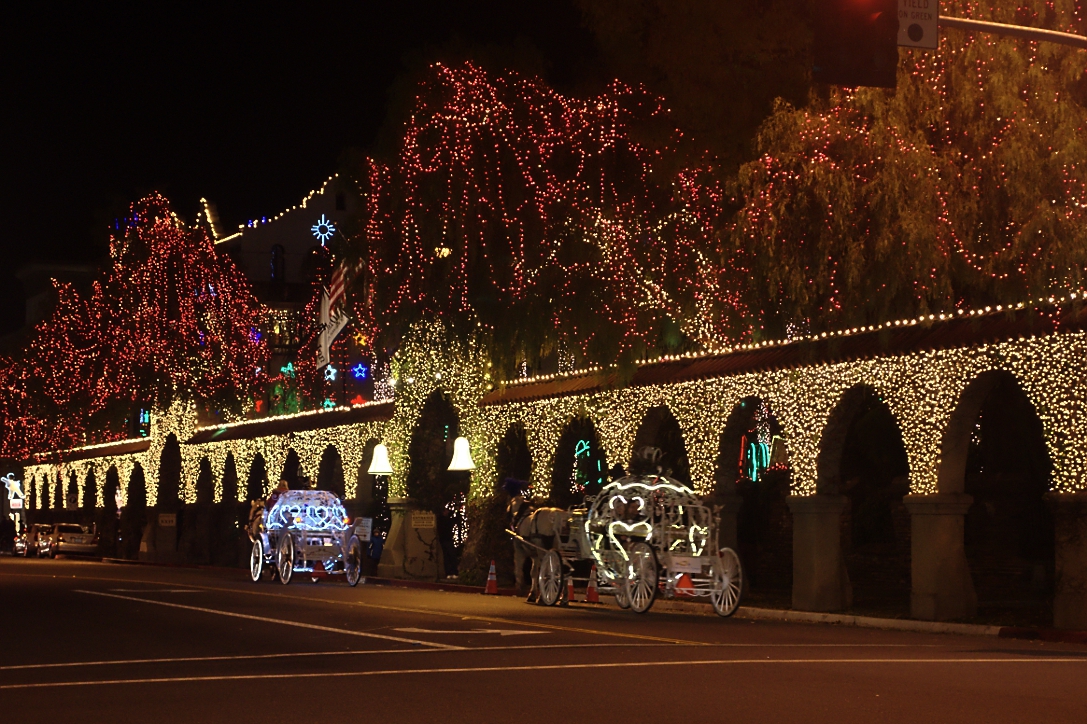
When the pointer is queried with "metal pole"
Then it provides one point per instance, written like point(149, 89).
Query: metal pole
point(1016, 31)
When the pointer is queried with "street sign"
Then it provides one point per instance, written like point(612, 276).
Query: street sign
point(364, 528)
point(16, 503)
point(918, 22)
point(422, 519)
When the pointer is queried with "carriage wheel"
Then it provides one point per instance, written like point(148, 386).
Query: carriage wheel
point(256, 561)
point(549, 579)
point(622, 600)
point(285, 559)
point(728, 582)
point(352, 562)
point(641, 581)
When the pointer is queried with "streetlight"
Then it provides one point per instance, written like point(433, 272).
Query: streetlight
point(462, 456)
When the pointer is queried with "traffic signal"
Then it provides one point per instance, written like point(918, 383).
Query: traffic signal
point(856, 43)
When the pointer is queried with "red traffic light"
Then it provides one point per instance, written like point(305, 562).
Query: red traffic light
point(856, 43)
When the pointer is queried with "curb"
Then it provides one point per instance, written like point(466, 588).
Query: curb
point(1069, 636)
point(841, 619)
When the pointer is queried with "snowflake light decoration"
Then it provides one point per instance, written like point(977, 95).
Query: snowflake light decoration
point(323, 229)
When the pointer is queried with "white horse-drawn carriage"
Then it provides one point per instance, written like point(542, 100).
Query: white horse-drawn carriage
point(646, 536)
point(305, 531)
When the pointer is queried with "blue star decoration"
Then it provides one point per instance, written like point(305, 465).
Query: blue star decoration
point(330, 374)
point(360, 371)
point(328, 404)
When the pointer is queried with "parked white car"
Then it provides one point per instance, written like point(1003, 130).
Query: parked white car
point(71, 539)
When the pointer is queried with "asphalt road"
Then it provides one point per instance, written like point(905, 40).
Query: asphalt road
point(91, 642)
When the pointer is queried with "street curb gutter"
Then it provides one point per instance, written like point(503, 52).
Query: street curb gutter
point(842, 619)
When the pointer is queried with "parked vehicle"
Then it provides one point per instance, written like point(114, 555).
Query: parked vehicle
point(33, 540)
point(19, 549)
point(72, 539)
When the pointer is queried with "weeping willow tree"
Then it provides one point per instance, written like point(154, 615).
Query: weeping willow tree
point(966, 186)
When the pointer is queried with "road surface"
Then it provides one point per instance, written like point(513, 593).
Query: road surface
point(94, 642)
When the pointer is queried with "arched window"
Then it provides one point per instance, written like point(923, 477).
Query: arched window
point(278, 264)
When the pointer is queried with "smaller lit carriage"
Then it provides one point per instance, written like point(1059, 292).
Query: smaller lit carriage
point(648, 536)
point(308, 532)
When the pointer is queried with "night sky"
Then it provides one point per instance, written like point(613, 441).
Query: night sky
point(250, 107)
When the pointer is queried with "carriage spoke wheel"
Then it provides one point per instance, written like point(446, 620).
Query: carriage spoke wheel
point(621, 598)
point(549, 579)
point(256, 561)
point(728, 582)
point(285, 559)
point(352, 562)
point(641, 581)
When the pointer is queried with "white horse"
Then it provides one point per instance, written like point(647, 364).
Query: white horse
point(538, 526)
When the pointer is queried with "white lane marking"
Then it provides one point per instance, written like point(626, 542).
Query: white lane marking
point(542, 667)
point(526, 647)
point(499, 631)
point(299, 654)
point(155, 590)
point(264, 619)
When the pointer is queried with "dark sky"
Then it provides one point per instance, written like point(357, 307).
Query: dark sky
point(250, 106)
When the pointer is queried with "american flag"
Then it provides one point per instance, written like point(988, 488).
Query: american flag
point(335, 289)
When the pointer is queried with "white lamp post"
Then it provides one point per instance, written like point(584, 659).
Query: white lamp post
point(462, 456)
point(380, 463)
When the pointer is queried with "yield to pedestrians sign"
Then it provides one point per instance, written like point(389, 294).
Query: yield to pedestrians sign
point(918, 22)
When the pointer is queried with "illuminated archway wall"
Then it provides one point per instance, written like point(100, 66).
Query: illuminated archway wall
point(921, 389)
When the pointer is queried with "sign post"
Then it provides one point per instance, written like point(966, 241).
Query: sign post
point(918, 23)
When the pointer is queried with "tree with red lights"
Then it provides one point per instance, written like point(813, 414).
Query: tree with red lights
point(555, 224)
point(170, 320)
point(966, 187)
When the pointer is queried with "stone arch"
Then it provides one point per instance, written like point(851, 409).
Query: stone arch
point(659, 428)
point(862, 461)
point(71, 491)
point(579, 466)
point(90, 490)
point(513, 458)
point(995, 452)
point(169, 476)
point(429, 482)
point(109, 490)
point(205, 481)
point(753, 482)
point(230, 479)
point(134, 514)
point(372, 492)
point(256, 486)
point(364, 481)
point(292, 470)
point(330, 474)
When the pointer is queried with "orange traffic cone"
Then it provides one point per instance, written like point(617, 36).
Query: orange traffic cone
point(492, 582)
point(591, 595)
point(684, 587)
point(570, 597)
